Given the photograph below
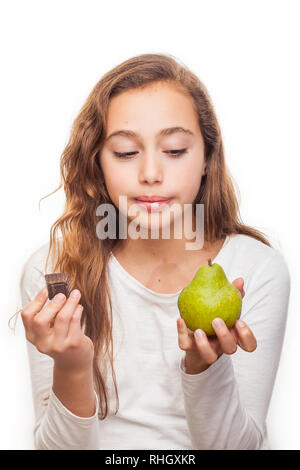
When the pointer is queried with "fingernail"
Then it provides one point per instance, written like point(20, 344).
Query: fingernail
point(75, 293)
point(240, 323)
point(200, 334)
point(218, 323)
point(59, 298)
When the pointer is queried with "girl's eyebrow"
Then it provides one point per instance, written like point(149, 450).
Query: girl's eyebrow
point(162, 132)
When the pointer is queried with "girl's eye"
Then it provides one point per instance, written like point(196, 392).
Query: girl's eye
point(124, 155)
point(177, 152)
point(174, 153)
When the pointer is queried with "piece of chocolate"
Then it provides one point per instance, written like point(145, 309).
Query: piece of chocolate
point(57, 282)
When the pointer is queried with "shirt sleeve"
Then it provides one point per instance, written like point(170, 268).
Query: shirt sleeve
point(226, 405)
point(56, 427)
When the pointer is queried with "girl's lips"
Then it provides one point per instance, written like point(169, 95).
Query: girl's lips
point(153, 206)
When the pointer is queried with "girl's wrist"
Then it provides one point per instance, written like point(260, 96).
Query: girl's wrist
point(194, 363)
point(75, 390)
point(73, 373)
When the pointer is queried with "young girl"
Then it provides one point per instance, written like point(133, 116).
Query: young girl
point(114, 366)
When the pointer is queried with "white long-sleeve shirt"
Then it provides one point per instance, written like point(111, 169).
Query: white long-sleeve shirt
point(160, 405)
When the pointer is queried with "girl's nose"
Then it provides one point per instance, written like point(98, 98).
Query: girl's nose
point(151, 170)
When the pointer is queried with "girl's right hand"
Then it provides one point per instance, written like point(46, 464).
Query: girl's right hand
point(55, 330)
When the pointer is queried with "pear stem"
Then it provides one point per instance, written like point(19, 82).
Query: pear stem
point(209, 262)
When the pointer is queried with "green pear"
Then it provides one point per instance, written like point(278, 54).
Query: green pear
point(208, 296)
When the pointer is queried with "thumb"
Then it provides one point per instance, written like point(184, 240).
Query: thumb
point(239, 284)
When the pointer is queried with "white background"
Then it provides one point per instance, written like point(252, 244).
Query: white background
point(54, 52)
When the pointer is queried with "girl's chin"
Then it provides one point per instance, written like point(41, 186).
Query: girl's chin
point(151, 222)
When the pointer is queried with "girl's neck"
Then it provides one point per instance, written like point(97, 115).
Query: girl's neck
point(164, 251)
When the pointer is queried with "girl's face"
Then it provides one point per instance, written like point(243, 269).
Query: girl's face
point(158, 127)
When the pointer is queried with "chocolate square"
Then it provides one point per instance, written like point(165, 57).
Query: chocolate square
point(57, 282)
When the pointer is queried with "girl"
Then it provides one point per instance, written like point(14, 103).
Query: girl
point(113, 366)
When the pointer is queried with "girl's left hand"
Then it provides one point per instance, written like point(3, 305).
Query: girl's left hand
point(202, 350)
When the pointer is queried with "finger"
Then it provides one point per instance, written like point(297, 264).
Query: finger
point(226, 339)
point(62, 320)
point(75, 331)
point(206, 351)
point(234, 332)
point(184, 340)
point(247, 340)
point(34, 306)
point(239, 284)
point(41, 322)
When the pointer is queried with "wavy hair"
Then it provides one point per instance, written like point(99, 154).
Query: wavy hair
point(79, 251)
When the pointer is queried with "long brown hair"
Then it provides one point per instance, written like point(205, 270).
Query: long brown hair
point(79, 251)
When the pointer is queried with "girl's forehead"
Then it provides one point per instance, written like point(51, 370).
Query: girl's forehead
point(134, 111)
